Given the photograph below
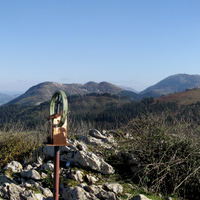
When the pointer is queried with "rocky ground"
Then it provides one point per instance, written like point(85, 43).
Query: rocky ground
point(84, 174)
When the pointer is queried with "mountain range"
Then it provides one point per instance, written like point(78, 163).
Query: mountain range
point(4, 98)
point(44, 91)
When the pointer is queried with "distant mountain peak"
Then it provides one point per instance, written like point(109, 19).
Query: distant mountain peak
point(172, 84)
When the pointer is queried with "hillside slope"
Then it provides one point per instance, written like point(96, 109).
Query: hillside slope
point(172, 84)
point(188, 97)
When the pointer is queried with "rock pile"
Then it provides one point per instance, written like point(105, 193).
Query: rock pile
point(29, 182)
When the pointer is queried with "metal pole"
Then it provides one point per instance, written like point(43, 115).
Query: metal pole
point(56, 172)
point(56, 161)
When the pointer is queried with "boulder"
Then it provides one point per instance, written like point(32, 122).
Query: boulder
point(40, 159)
point(83, 192)
point(14, 166)
point(110, 140)
point(43, 175)
point(91, 179)
point(114, 187)
point(74, 145)
point(96, 142)
point(71, 147)
point(140, 197)
point(48, 166)
point(104, 132)
point(81, 146)
point(28, 167)
point(36, 165)
point(28, 195)
point(48, 151)
point(77, 193)
point(101, 193)
point(95, 133)
point(6, 179)
point(38, 185)
point(88, 160)
point(42, 197)
point(99, 139)
point(94, 189)
point(46, 191)
point(11, 191)
point(33, 174)
point(77, 176)
point(107, 195)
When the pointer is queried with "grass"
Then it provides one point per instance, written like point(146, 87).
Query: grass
point(18, 145)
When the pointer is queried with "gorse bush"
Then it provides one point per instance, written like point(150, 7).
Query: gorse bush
point(168, 154)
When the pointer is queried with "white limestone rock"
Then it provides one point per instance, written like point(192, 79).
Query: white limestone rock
point(114, 187)
point(48, 166)
point(101, 193)
point(91, 179)
point(94, 141)
point(14, 166)
point(77, 193)
point(77, 176)
point(28, 195)
point(97, 134)
point(11, 191)
point(28, 167)
point(43, 175)
point(88, 160)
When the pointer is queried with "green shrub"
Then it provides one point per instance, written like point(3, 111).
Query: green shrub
point(168, 153)
point(16, 146)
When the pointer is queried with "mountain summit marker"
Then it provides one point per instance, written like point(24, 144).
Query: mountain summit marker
point(57, 132)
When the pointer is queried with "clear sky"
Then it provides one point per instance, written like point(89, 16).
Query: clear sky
point(134, 43)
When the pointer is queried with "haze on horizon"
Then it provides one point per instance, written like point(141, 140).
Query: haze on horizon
point(130, 43)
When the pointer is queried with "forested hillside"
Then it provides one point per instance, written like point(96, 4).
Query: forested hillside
point(98, 110)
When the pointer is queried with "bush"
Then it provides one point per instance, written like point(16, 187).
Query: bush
point(16, 146)
point(168, 153)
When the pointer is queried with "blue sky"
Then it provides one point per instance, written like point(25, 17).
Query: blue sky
point(134, 43)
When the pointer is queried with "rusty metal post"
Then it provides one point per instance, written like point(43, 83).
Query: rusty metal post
point(56, 161)
point(56, 172)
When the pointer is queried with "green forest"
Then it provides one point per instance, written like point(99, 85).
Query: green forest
point(102, 111)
